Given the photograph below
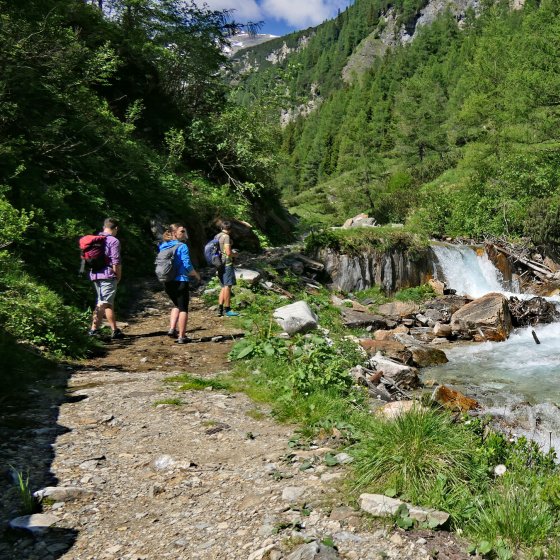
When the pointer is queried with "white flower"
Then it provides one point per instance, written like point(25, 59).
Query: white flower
point(500, 470)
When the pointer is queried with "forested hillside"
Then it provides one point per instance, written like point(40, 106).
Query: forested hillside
point(121, 112)
point(454, 133)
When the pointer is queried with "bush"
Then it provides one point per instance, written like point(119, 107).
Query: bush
point(33, 313)
point(423, 457)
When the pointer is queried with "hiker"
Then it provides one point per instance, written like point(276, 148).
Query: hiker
point(178, 288)
point(225, 272)
point(105, 281)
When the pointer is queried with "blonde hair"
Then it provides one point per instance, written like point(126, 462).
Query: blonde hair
point(169, 233)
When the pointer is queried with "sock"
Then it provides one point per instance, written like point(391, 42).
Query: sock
point(221, 308)
point(228, 309)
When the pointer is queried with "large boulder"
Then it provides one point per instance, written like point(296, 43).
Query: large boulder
point(357, 319)
point(422, 354)
point(401, 375)
point(389, 348)
point(454, 400)
point(485, 318)
point(296, 317)
point(399, 309)
point(247, 275)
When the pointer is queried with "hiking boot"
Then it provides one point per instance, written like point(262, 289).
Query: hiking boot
point(183, 340)
point(117, 334)
point(172, 333)
point(231, 313)
point(93, 332)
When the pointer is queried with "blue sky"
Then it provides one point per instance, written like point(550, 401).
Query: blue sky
point(281, 16)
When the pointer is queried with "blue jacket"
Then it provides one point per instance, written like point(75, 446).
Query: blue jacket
point(182, 260)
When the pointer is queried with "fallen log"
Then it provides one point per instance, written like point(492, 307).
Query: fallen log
point(540, 270)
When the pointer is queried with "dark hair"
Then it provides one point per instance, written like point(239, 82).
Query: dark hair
point(225, 224)
point(110, 223)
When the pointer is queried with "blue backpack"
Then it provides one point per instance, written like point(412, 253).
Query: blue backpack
point(212, 252)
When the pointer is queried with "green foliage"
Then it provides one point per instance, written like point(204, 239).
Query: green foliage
point(513, 516)
point(170, 401)
point(189, 382)
point(28, 504)
point(417, 294)
point(31, 312)
point(454, 132)
point(424, 456)
point(360, 240)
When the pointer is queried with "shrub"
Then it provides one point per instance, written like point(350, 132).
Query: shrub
point(33, 313)
point(422, 456)
point(515, 515)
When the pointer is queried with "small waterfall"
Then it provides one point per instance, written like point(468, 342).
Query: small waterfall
point(515, 379)
point(466, 272)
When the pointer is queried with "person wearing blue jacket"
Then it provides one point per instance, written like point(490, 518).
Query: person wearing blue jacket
point(178, 288)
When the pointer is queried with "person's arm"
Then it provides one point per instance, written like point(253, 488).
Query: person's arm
point(186, 260)
point(117, 269)
point(114, 254)
point(227, 247)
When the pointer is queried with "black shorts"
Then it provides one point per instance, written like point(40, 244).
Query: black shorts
point(179, 294)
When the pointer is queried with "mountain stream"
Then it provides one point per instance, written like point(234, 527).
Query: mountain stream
point(516, 380)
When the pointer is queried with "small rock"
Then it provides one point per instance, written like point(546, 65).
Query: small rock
point(293, 493)
point(164, 462)
point(36, 524)
point(343, 458)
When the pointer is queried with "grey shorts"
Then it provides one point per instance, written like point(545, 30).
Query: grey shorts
point(106, 291)
point(226, 275)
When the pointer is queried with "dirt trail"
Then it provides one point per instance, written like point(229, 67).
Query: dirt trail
point(211, 478)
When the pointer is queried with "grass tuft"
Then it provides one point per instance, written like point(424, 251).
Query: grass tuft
point(191, 383)
point(170, 401)
point(422, 456)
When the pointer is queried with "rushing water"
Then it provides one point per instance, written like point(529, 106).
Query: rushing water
point(505, 376)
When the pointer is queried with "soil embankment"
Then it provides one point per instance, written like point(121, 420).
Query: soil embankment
point(210, 478)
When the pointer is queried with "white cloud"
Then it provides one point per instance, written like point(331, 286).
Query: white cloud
point(297, 13)
point(302, 13)
point(244, 10)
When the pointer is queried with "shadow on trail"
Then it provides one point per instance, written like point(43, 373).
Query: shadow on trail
point(31, 392)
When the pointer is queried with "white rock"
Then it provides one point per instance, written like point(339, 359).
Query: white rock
point(249, 276)
point(293, 493)
point(296, 317)
point(37, 523)
point(383, 506)
point(164, 462)
point(343, 458)
point(399, 373)
point(61, 493)
point(260, 553)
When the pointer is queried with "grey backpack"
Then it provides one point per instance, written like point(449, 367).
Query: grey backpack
point(165, 264)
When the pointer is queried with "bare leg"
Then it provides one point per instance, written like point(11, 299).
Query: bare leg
point(110, 316)
point(173, 318)
point(182, 323)
point(97, 318)
point(225, 296)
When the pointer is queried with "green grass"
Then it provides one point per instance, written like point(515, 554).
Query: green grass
point(513, 515)
point(422, 456)
point(367, 240)
point(170, 401)
point(28, 504)
point(417, 294)
point(255, 414)
point(189, 382)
